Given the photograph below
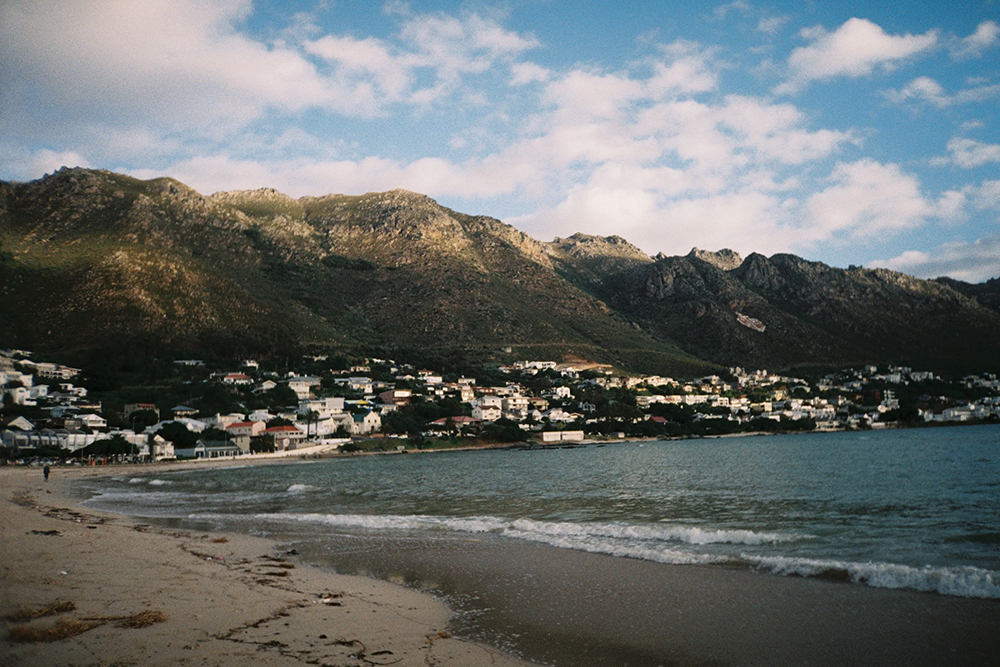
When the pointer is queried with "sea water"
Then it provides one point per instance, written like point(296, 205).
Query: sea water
point(915, 509)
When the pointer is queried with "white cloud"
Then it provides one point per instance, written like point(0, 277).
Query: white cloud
point(855, 49)
point(986, 36)
point(866, 199)
point(177, 63)
point(771, 24)
point(745, 222)
point(986, 196)
point(926, 89)
point(46, 161)
point(686, 69)
point(971, 262)
point(969, 153)
point(187, 66)
point(738, 6)
point(525, 73)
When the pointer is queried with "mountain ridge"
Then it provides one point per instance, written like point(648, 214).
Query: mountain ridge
point(91, 256)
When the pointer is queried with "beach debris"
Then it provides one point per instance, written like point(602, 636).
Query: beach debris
point(45, 532)
point(133, 621)
point(220, 540)
point(26, 614)
point(23, 499)
point(64, 629)
point(143, 619)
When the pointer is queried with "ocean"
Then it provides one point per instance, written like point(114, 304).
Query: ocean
point(915, 510)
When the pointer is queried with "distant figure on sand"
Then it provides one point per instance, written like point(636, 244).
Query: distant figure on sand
point(45, 471)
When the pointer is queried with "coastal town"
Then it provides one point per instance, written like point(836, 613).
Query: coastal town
point(329, 405)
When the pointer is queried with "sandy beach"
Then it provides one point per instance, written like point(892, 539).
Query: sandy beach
point(85, 588)
point(88, 588)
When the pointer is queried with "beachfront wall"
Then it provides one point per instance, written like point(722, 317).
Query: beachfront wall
point(562, 436)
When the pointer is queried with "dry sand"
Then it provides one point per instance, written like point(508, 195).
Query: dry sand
point(110, 591)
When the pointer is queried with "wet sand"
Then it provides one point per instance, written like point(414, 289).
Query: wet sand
point(571, 608)
point(106, 590)
point(228, 599)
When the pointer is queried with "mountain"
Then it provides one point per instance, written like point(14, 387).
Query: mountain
point(96, 261)
point(784, 311)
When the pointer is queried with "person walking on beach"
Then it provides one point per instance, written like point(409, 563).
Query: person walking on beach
point(45, 471)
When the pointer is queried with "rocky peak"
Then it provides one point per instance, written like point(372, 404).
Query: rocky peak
point(593, 247)
point(724, 259)
point(251, 196)
point(757, 272)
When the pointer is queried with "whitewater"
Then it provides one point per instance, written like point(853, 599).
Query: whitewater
point(911, 509)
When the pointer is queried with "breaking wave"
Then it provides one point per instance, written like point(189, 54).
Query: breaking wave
point(970, 582)
point(670, 544)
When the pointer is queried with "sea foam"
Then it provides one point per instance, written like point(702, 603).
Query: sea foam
point(970, 582)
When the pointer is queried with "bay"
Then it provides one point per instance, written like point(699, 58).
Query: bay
point(914, 509)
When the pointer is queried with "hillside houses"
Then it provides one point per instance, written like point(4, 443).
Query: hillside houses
point(252, 410)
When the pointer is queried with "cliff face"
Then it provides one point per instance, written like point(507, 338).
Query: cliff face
point(93, 260)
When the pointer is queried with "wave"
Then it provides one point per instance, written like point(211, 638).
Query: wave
point(965, 581)
point(673, 533)
point(146, 480)
point(527, 528)
point(299, 488)
point(669, 544)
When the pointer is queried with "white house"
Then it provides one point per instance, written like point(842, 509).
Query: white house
point(487, 413)
point(368, 422)
point(303, 385)
point(324, 407)
point(92, 421)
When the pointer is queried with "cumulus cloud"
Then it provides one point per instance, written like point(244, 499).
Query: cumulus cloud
point(986, 36)
point(969, 153)
point(525, 73)
point(972, 262)
point(185, 65)
point(855, 49)
point(867, 198)
point(179, 64)
point(926, 89)
point(446, 46)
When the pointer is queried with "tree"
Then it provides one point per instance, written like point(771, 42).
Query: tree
point(178, 434)
point(262, 444)
point(141, 419)
point(114, 446)
point(503, 430)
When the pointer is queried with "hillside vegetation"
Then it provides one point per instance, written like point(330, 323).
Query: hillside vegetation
point(92, 261)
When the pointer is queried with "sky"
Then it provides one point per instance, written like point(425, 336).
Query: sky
point(852, 133)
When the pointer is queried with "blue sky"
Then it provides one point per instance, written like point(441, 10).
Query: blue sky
point(845, 132)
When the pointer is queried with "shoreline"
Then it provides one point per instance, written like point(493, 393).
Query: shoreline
point(583, 609)
point(110, 589)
